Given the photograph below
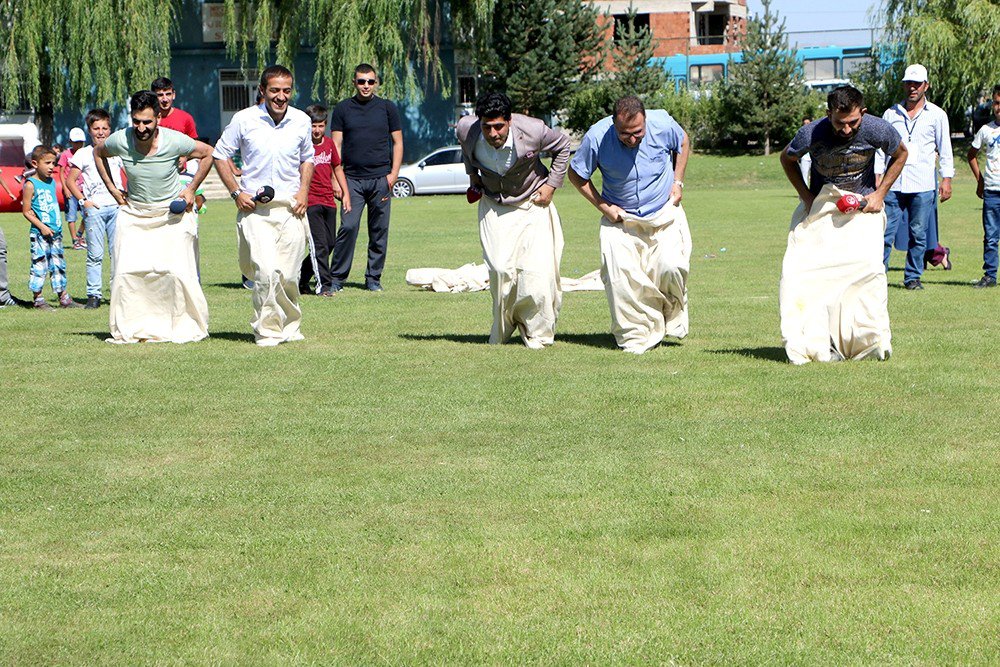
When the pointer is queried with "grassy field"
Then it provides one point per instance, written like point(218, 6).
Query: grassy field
point(393, 490)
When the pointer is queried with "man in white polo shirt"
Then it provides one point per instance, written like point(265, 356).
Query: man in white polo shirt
point(924, 129)
point(275, 141)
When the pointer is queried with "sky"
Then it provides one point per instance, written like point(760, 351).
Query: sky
point(823, 22)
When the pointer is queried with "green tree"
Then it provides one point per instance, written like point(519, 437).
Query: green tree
point(764, 95)
point(632, 74)
point(955, 39)
point(400, 37)
point(540, 50)
point(77, 53)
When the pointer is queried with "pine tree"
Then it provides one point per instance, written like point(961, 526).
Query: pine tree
point(633, 49)
point(540, 50)
point(63, 53)
point(765, 96)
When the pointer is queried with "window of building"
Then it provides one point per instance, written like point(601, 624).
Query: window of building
point(711, 27)
point(856, 65)
point(819, 69)
point(703, 75)
point(467, 89)
point(621, 24)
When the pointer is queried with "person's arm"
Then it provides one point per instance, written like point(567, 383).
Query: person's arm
point(556, 143)
point(946, 160)
point(203, 153)
point(232, 166)
point(973, 159)
point(589, 192)
point(892, 171)
point(475, 180)
point(74, 189)
point(338, 190)
point(397, 156)
point(101, 162)
point(27, 193)
point(302, 196)
point(790, 163)
point(677, 191)
point(225, 149)
point(64, 180)
point(338, 141)
point(6, 189)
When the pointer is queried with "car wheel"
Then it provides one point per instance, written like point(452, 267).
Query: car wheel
point(402, 188)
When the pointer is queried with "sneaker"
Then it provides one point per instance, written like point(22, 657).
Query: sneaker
point(335, 287)
point(913, 285)
point(42, 304)
point(93, 302)
point(986, 281)
point(79, 244)
point(247, 283)
point(374, 286)
point(68, 302)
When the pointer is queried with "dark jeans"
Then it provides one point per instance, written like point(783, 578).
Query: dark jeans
point(323, 231)
point(991, 231)
point(373, 194)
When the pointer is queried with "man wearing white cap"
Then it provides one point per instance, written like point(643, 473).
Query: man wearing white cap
point(925, 131)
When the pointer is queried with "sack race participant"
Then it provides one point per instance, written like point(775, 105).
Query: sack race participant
point(275, 141)
point(645, 241)
point(833, 290)
point(155, 292)
point(519, 226)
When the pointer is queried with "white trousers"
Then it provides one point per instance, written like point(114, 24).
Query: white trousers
point(522, 247)
point(644, 265)
point(833, 293)
point(272, 245)
point(155, 292)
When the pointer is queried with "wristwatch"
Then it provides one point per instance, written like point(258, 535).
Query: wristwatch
point(234, 194)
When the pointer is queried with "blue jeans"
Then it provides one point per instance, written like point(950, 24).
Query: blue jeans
point(991, 231)
point(73, 206)
point(100, 224)
point(916, 209)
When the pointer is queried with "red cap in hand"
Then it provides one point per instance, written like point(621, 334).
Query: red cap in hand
point(473, 195)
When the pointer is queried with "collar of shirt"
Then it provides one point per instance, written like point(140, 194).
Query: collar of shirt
point(498, 160)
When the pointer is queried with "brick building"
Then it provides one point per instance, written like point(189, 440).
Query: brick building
point(683, 26)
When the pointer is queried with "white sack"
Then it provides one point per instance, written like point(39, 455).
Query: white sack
point(466, 278)
point(589, 282)
point(522, 246)
point(833, 294)
point(155, 292)
point(644, 265)
point(272, 245)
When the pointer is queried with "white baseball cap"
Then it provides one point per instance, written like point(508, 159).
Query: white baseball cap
point(76, 134)
point(915, 73)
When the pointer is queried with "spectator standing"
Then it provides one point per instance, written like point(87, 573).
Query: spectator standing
point(76, 141)
point(988, 189)
point(326, 187)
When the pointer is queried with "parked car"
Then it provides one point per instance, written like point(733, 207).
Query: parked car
point(440, 172)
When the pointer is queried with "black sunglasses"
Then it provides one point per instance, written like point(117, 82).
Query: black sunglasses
point(370, 82)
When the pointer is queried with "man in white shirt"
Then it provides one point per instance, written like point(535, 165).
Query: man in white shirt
point(925, 132)
point(275, 140)
point(988, 189)
point(100, 209)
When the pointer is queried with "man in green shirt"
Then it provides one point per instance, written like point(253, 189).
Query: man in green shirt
point(155, 292)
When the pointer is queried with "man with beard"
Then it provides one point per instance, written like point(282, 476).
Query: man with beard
point(518, 224)
point(155, 292)
point(275, 140)
point(833, 287)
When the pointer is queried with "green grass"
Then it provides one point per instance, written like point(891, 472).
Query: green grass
point(392, 490)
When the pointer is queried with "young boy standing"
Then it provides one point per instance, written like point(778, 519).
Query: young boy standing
point(324, 191)
point(988, 189)
point(76, 141)
point(100, 209)
point(40, 206)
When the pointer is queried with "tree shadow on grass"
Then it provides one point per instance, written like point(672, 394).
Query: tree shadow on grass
point(765, 353)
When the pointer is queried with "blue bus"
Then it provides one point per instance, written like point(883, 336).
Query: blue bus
point(819, 64)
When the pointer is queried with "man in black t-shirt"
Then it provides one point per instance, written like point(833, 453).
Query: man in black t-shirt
point(369, 137)
point(843, 147)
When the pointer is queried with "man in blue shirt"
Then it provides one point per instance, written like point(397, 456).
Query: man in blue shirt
point(645, 242)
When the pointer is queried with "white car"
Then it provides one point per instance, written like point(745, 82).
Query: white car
point(440, 172)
